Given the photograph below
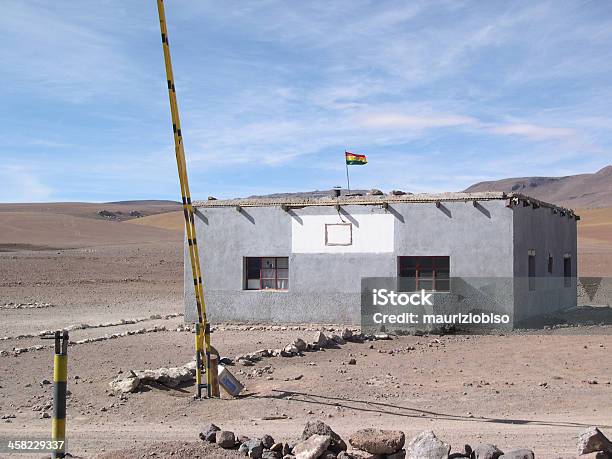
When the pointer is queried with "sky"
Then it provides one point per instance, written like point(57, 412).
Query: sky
point(438, 95)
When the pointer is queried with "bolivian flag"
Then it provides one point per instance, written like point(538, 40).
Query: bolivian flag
point(355, 160)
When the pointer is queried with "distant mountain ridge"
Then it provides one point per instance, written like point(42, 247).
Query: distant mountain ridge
point(577, 191)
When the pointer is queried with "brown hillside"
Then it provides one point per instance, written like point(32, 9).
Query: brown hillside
point(576, 191)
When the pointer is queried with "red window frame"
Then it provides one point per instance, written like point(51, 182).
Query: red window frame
point(276, 278)
point(434, 263)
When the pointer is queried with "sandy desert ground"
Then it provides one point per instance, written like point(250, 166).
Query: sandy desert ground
point(537, 389)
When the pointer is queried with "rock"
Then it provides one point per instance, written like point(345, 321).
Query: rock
point(300, 344)
point(243, 449)
point(125, 385)
point(170, 377)
point(344, 455)
point(321, 340)
point(291, 349)
point(352, 362)
point(486, 451)
point(518, 454)
point(225, 439)
point(377, 441)
point(277, 447)
point(597, 455)
point(312, 448)
point(254, 448)
point(346, 334)
point(271, 455)
point(267, 441)
point(592, 440)
point(320, 428)
point(328, 455)
point(209, 433)
point(338, 339)
point(382, 336)
point(401, 454)
point(287, 449)
point(426, 444)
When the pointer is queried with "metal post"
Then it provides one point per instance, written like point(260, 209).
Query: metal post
point(60, 379)
point(203, 327)
point(348, 183)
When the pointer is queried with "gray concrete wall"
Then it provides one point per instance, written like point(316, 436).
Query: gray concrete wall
point(325, 287)
point(547, 233)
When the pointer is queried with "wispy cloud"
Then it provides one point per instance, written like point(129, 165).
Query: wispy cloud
point(533, 131)
point(516, 88)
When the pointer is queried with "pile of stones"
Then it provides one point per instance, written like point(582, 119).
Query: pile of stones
point(319, 441)
point(299, 346)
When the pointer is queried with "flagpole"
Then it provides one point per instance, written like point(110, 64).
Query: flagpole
point(348, 182)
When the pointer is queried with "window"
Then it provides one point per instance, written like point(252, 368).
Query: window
point(266, 273)
point(550, 263)
point(531, 268)
point(567, 270)
point(428, 273)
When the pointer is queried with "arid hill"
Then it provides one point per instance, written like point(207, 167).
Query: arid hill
point(575, 191)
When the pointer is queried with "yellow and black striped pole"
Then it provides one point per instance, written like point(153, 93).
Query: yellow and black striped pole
point(202, 338)
point(60, 379)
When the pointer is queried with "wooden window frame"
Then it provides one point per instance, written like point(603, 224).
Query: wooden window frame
point(433, 267)
point(262, 279)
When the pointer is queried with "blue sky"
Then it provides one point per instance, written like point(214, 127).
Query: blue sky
point(438, 95)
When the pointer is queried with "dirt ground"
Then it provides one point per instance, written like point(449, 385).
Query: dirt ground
point(532, 389)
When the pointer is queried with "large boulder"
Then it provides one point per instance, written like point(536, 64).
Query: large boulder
point(592, 440)
point(125, 385)
point(267, 441)
point(209, 433)
point(486, 451)
point(426, 444)
point(225, 439)
point(254, 448)
point(320, 428)
point(518, 454)
point(291, 350)
point(321, 340)
point(377, 441)
point(312, 448)
point(170, 377)
point(300, 344)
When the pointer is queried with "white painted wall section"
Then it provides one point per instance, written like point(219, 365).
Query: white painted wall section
point(369, 233)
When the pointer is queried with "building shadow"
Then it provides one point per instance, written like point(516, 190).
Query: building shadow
point(482, 209)
point(396, 214)
point(444, 209)
point(407, 412)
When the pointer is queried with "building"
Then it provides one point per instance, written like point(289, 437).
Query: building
point(304, 260)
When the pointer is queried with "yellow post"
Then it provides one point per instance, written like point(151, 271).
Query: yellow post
point(60, 379)
point(202, 327)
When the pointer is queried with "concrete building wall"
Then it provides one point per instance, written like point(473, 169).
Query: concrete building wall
point(546, 233)
point(325, 281)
